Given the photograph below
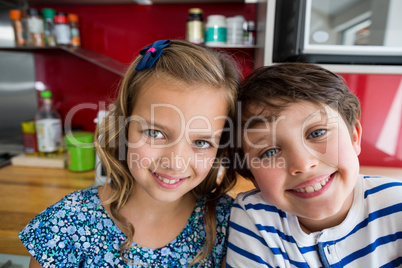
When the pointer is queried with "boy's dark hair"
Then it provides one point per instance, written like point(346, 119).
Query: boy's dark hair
point(277, 86)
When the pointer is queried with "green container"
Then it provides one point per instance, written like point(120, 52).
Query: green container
point(81, 152)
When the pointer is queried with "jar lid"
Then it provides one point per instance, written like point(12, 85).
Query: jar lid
point(15, 14)
point(28, 126)
point(217, 19)
point(46, 94)
point(60, 17)
point(80, 138)
point(33, 12)
point(72, 17)
point(48, 13)
point(195, 11)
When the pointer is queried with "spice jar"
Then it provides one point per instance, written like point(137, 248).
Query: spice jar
point(74, 31)
point(15, 16)
point(29, 137)
point(48, 15)
point(62, 29)
point(195, 26)
point(35, 27)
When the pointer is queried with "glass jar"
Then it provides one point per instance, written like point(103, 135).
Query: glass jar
point(195, 26)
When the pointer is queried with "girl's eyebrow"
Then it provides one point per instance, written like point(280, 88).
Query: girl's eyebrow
point(153, 124)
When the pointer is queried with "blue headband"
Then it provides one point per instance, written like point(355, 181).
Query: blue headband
point(151, 54)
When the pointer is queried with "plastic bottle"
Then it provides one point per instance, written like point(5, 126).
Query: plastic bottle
point(62, 29)
point(35, 27)
point(48, 127)
point(249, 33)
point(15, 16)
point(29, 137)
point(48, 15)
point(195, 26)
point(216, 30)
point(234, 30)
point(75, 40)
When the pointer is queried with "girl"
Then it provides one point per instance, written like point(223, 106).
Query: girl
point(161, 147)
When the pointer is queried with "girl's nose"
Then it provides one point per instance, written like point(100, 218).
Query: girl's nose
point(176, 157)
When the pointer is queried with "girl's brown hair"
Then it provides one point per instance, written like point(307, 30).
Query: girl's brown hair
point(188, 63)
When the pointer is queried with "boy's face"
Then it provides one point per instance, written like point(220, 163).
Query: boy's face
point(304, 161)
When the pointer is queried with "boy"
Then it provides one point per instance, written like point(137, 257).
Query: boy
point(301, 138)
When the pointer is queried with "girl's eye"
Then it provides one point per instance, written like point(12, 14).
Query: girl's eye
point(202, 144)
point(156, 134)
point(317, 133)
point(270, 153)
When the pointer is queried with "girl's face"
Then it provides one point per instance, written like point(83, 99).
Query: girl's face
point(305, 162)
point(174, 133)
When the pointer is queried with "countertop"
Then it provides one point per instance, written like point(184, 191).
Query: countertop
point(24, 192)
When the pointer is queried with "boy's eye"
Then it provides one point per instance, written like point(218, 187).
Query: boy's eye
point(202, 144)
point(270, 153)
point(156, 134)
point(317, 133)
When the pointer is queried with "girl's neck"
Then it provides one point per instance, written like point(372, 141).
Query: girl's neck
point(156, 224)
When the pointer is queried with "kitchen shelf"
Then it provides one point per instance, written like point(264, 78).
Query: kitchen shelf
point(231, 46)
point(143, 2)
point(98, 59)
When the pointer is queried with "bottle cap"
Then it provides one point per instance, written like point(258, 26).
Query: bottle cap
point(195, 11)
point(48, 13)
point(78, 138)
point(46, 94)
point(15, 14)
point(72, 17)
point(60, 18)
point(33, 12)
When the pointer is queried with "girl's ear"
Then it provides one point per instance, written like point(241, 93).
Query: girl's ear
point(356, 137)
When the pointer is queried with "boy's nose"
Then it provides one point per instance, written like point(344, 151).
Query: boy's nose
point(301, 160)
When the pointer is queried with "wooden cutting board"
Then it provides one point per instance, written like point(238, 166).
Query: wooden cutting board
point(40, 162)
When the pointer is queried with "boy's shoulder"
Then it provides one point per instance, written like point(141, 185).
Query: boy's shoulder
point(378, 186)
point(253, 202)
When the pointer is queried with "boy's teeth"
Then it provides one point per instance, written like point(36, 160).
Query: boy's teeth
point(315, 187)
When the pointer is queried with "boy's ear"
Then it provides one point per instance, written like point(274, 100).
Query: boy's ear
point(357, 137)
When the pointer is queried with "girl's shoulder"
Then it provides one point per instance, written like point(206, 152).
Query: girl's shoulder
point(65, 230)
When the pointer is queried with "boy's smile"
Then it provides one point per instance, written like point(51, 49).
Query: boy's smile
point(304, 161)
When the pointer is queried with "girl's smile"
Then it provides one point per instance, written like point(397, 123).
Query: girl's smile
point(167, 181)
point(173, 137)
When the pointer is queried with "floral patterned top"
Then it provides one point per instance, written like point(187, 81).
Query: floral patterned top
point(78, 232)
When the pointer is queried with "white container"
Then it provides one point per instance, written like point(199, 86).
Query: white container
point(215, 30)
point(234, 30)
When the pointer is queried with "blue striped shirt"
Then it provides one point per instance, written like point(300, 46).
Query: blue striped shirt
point(261, 235)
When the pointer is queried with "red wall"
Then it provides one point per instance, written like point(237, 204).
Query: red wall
point(120, 32)
point(381, 103)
